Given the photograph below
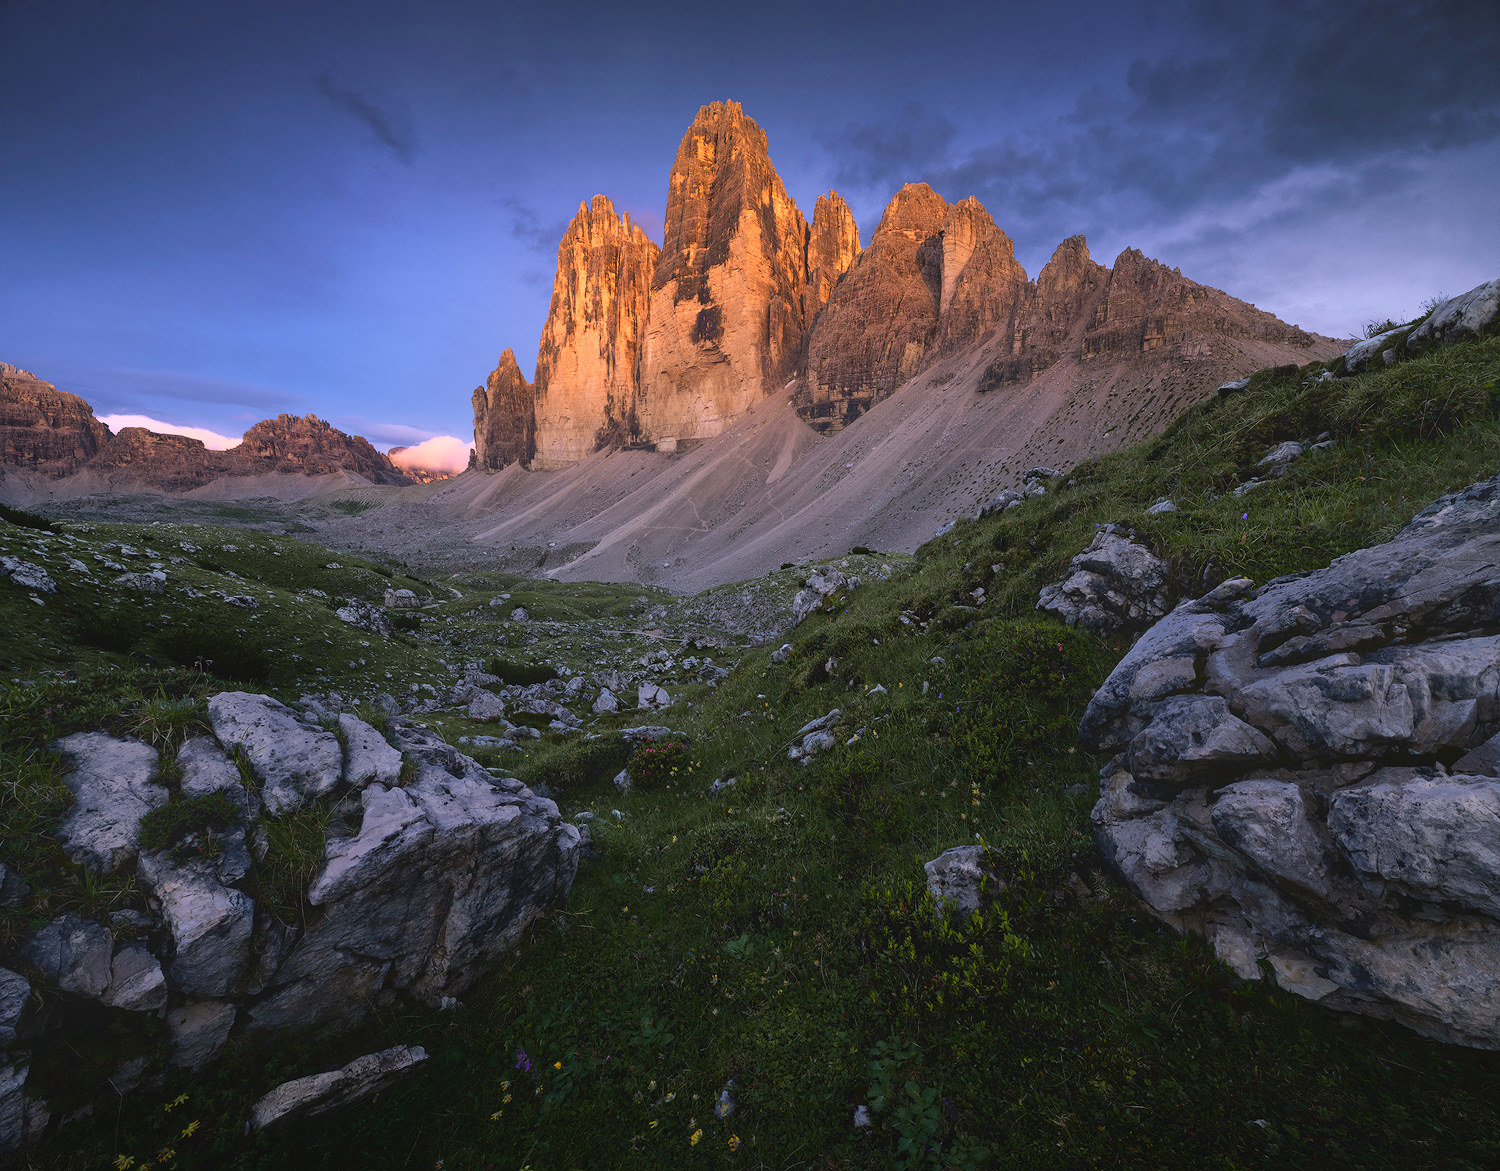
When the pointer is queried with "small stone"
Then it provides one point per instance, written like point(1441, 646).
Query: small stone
point(362, 1078)
point(73, 953)
point(199, 1029)
point(782, 653)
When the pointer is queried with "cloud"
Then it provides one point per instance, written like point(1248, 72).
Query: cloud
point(210, 439)
point(528, 227)
point(441, 453)
point(123, 388)
point(378, 433)
point(389, 127)
point(890, 151)
point(1257, 99)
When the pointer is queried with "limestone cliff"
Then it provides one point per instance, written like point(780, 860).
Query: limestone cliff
point(586, 365)
point(875, 331)
point(725, 324)
point(504, 417)
point(982, 282)
point(311, 447)
point(1067, 291)
point(43, 429)
point(832, 248)
point(171, 463)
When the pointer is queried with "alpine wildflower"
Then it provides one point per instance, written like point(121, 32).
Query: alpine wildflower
point(734, 1142)
point(696, 1136)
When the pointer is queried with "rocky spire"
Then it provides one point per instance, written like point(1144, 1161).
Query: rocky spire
point(879, 322)
point(832, 249)
point(504, 417)
point(587, 361)
point(726, 318)
point(983, 284)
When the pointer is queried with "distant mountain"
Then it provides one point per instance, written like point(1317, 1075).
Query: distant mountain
point(665, 348)
point(55, 435)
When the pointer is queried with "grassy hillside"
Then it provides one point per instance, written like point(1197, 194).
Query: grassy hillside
point(776, 941)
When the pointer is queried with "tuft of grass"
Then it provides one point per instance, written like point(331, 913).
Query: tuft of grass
point(169, 826)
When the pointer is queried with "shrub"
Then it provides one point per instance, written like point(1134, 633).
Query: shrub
point(936, 966)
point(521, 674)
point(578, 763)
point(855, 789)
point(26, 520)
point(118, 629)
point(657, 764)
point(167, 827)
point(225, 653)
point(1023, 685)
point(407, 621)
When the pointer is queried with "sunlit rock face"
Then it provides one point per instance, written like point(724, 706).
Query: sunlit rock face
point(504, 417)
point(588, 358)
point(832, 248)
point(44, 429)
point(726, 318)
point(876, 329)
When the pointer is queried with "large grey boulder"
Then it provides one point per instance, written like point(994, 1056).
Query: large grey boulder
point(15, 994)
point(209, 923)
point(486, 705)
point(113, 785)
point(136, 982)
point(958, 878)
point(28, 575)
point(294, 761)
point(1458, 317)
point(1364, 355)
point(73, 953)
point(199, 1030)
point(362, 1078)
point(821, 584)
point(1116, 584)
point(368, 756)
point(206, 770)
point(1279, 779)
point(361, 615)
point(440, 880)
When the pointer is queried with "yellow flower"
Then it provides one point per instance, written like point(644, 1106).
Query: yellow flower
point(697, 1134)
point(495, 1117)
point(191, 1129)
point(734, 1142)
point(124, 1161)
point(670, 1096)
point(653, 1124)
point(557, 1065)
point(505, 1100)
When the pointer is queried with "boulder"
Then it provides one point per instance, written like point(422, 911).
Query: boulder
point(28, 575)
point(1279, 778)
point(650, 697)
point(782, 653)
point(73, 953)
point(307, 1097)
point(362, 615)
point(154, 582)
point(441, 878)
point(15, 994)
point(1466, 315)
point(486, 705)
point(136, 982)
point(606, 703)
point(1283, 455)
point(209, 924)
point(23, 1120)
point(294, 761)
point(368, 756)
point(1115, 585)
point(206, 770)
point(113, 787)
point(402, 600)
point(1359, 356)
point(199, 1030)
point(959, 877)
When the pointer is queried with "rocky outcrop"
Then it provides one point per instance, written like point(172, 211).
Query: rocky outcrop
point(1308, 773)
point(43, 429)
point(983, 283)
point(504, 417)
point(725, 325)
point(832, 249)
point(1115, 585)
point(419, 887)
point(875, 331)
point(1050, 314)
point(311, 447)
point(586, 367)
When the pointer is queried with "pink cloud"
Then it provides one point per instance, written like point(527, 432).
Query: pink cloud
point(441, 453)
point(210, 439)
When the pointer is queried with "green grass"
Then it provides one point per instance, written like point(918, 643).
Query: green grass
point(777, 936)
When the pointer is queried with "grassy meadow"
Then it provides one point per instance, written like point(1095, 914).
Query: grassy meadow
point(772, 947)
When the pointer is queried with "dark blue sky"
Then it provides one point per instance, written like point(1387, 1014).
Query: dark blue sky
point(211, 211)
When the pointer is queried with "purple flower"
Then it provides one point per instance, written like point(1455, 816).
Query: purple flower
point(523, 1063)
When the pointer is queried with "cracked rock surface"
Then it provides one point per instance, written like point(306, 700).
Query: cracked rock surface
point(1309, 773)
